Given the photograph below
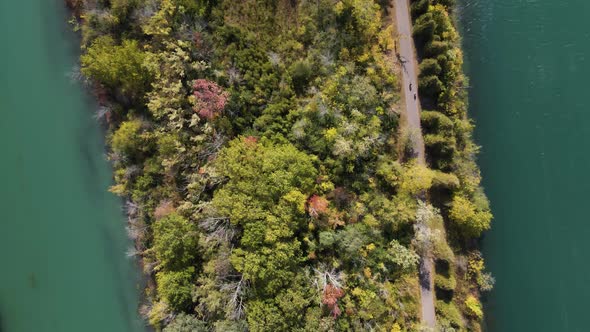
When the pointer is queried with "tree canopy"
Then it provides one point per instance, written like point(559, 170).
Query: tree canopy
point(268, 180)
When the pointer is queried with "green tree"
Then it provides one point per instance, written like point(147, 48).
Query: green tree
point(301, 73)
point(266, 316)
point(270, 267)
point(416, 179)
point(419, 7)
point(259, 174)
point(436, 48)
point(390, 171)
point(350, 241)
point(265, 194)
point(431, 86)
point(429, 67)
point(119, 67)
point(474, 307)
point(176, 287)
point(445, 180)
point(405, 258)
point(122, 9)
point(231, 326)
point(424, 29)
point(175, 242)
point(186, 323)
point(436, 123)
point(471, 220)
point(128, 139)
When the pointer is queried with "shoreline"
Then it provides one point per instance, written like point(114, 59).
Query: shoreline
point(470, 296)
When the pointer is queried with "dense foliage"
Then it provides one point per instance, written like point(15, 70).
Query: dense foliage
point(269, 186)
point(450, 148)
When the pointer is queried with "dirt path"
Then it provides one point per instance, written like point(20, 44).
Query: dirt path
point(406, 56)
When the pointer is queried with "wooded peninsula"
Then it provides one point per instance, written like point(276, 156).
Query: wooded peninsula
point(269, 177)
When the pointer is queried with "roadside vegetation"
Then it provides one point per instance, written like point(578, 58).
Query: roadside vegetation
point(460, 278)
point(268, 184)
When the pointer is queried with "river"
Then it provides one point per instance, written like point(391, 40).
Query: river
point(528, 61)
point(62, 238)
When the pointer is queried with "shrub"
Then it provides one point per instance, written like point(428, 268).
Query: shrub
point(158, 313)
point(474, 307)
point(448, 314)
point(445, 283)
point(446, 180)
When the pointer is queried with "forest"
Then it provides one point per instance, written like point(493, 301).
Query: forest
point(268, 180)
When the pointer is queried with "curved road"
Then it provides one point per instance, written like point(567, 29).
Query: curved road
point(406, 55)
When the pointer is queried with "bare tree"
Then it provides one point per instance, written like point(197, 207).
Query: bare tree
point(131, 208)
point(325, 277)
point(212, 147)
point(274, 58)
point(234, 75)
point(135, 231)
point(101, 112)
point(237, 291)
point(218, 229)
point(299, 128)
point(132, 252)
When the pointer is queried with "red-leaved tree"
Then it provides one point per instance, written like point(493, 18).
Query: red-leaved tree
point(330, 299)
point(317, 205)
point(197, 39)
point(251, 140)
point(211, 98)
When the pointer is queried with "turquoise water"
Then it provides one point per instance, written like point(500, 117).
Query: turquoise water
point(62, 240)
point(528, 62)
